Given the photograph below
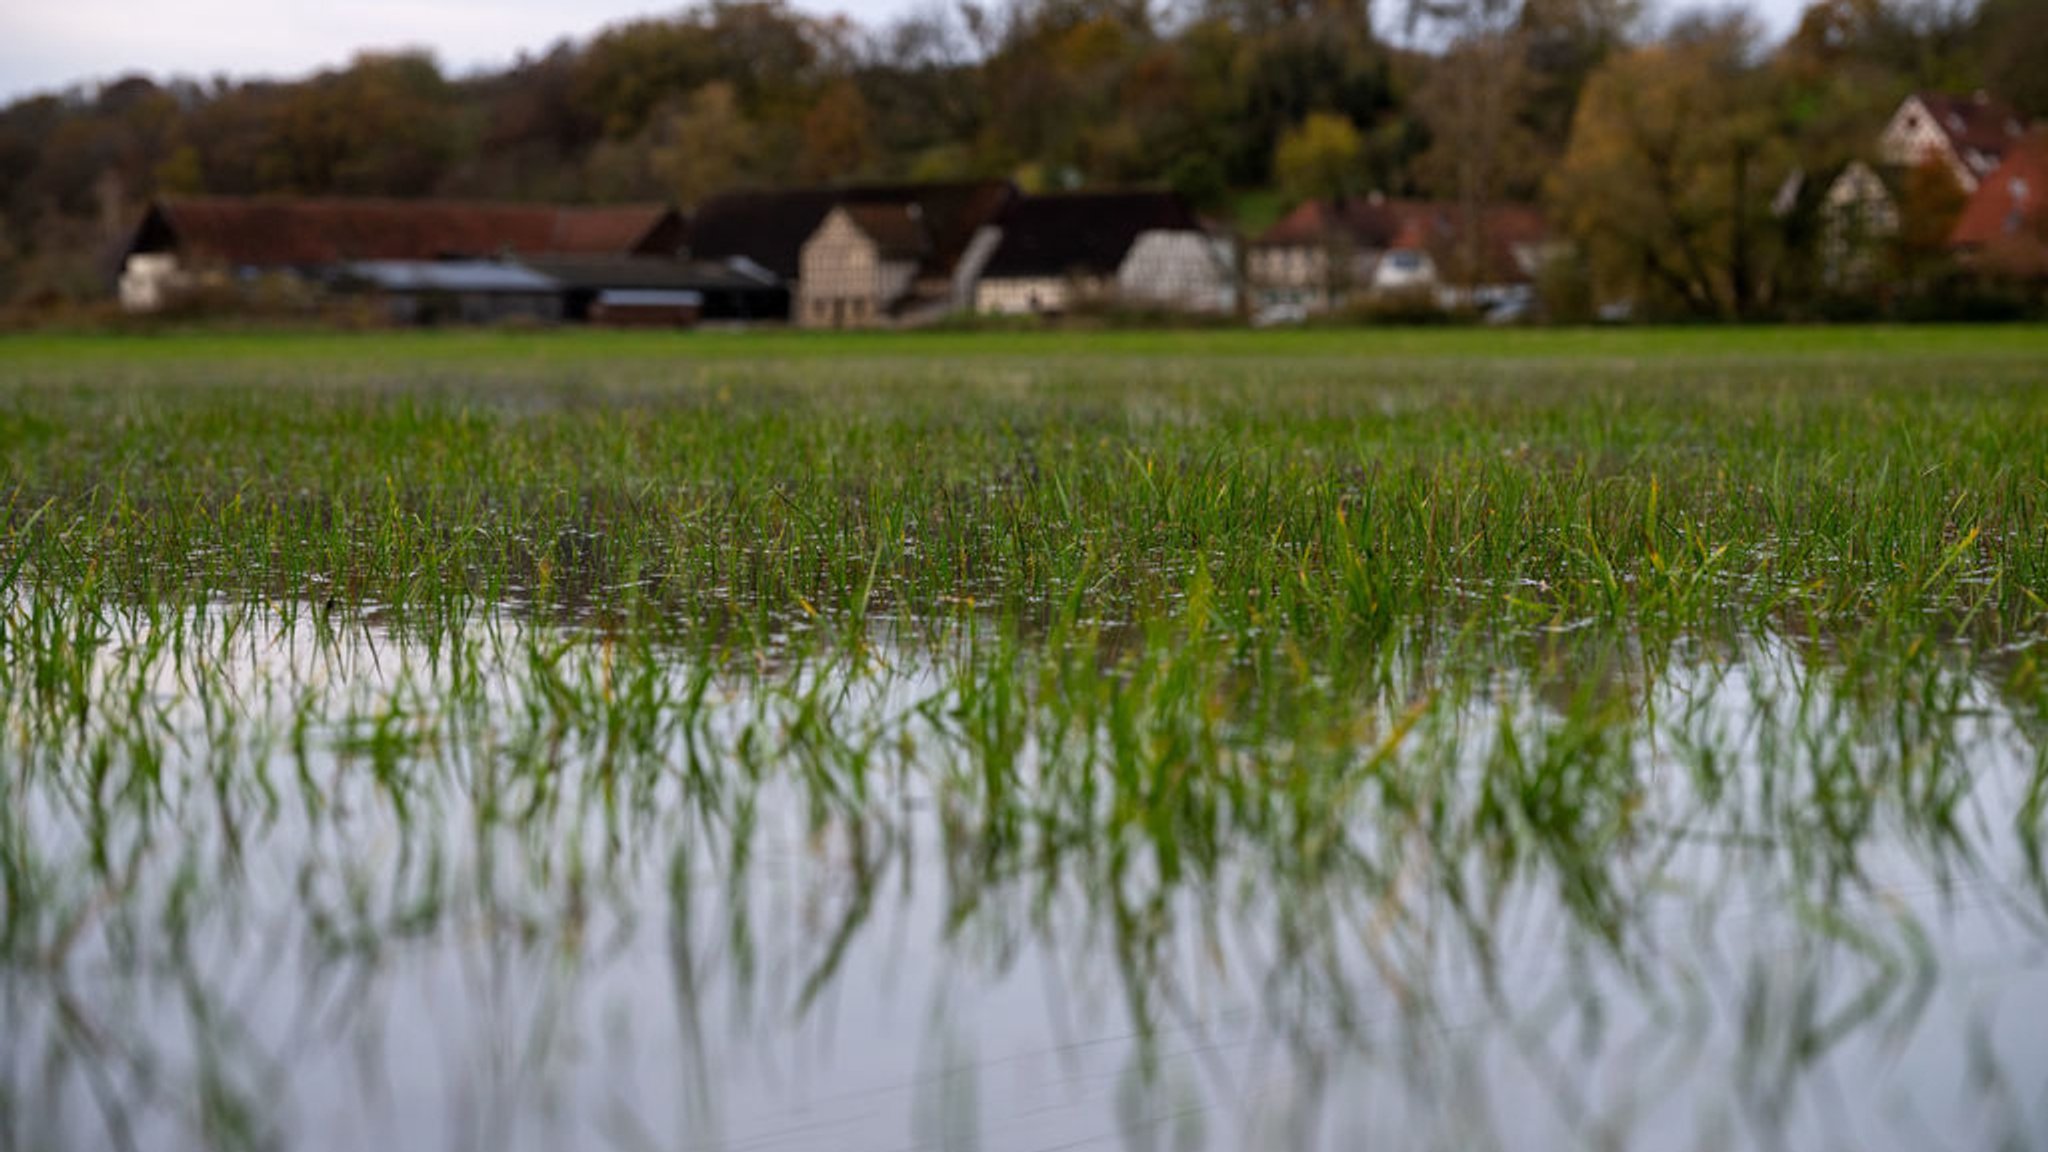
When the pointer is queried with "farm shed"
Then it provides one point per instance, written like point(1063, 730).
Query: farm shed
point(731, 292)
point(928, 229)
point(222, 241)
point(455, 291)
point(1050, 253)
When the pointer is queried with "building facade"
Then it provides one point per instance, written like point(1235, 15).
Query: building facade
point(1968, 135)
point(1053, 254)
point(859, 265)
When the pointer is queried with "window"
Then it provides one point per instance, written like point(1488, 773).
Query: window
point(2019, 190)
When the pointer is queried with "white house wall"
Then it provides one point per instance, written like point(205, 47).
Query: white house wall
point(1300, 274)
point(148, 279)
point(840, 278)
point(967, 273)
point(1181, 269)
point(1021, 296)
point(1405, 270)
point(1914, 135)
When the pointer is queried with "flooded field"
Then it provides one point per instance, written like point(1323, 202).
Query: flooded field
point(998, 752)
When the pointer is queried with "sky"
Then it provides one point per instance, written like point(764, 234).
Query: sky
point(47, 45)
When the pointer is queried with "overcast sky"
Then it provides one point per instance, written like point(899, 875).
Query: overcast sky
point(50, 44)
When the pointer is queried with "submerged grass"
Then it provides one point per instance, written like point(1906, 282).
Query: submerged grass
point(1322, 504)
point(1353, 675)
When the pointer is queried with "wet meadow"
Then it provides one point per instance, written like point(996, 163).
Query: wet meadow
point(1026, 741)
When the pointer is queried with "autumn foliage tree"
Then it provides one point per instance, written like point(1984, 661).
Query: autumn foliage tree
point(1318, 159)
point(1668, 182)
point(1662, 150)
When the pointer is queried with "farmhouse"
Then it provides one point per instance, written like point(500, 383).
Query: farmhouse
point(1967, 134)
point(222, 241)
point(2004, 227)
point(857, 256)
point(1321, 254)
point(1858, 213)
point(1329, 253)
point(1051, 253)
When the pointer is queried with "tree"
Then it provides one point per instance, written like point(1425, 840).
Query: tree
point(1479, 148)
point(704, 146)
point(383, 126)
point(837, 143)
point(1666, 185)
point(1930, 201)
point(1319, 159)
point(2012, 36)
point(1562, 43)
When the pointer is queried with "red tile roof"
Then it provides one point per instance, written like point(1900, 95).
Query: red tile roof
point(2008, 204)
point(285, 233)
point(1370, 224)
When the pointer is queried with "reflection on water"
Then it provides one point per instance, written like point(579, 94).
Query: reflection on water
point(279, 878)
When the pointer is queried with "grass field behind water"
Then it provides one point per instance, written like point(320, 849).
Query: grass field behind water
point(1452, 739)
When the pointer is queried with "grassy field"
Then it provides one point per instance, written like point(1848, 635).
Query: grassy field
point(1977, 343)
point(1555, 738)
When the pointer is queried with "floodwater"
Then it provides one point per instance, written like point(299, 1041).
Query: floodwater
point(280, 880)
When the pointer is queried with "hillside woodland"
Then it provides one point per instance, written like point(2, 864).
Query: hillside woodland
point(1670, 149)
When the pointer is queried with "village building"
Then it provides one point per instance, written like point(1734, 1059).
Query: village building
point(2004, 227)
point(1859, 214)
point(857, 256)
point(1856, 211)
point(1321, 254)
point(426, 292)
point(1050, 254)
point(200, 242)
point(1967, 134)
point(1330, 254)
point(643, 291)
point(859, 264)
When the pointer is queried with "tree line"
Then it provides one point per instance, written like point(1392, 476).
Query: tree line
point(1657, 142)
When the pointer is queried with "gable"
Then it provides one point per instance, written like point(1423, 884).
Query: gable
point(771, 227)
point(1914, 134)
point(1970, 133)
point(837, 239)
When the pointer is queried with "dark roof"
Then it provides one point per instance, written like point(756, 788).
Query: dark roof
point(275, 232)
point(1980, 124)
point(897, 229)
point(2007, 206)
point(1082, 233)
point(641, 272)
point(770, 227)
